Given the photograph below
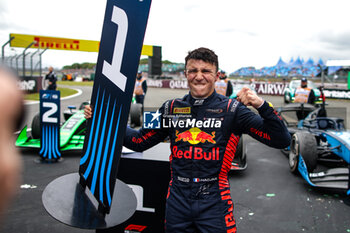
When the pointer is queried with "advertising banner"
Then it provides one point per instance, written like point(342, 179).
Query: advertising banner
point(58, 43)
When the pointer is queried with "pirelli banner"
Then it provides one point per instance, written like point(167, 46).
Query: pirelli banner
point(57, 43)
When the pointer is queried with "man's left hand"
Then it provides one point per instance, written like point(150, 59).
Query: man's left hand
point(249, 98)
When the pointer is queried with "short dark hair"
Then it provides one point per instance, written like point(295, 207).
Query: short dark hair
point(203, 54)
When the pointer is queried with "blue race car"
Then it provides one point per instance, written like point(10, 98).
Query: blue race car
point(320, 147)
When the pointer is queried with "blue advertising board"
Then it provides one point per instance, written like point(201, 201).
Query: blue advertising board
point(50, 125)
point(119, 54)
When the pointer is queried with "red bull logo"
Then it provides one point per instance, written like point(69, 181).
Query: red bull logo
point(195, 136)
point(196, 153)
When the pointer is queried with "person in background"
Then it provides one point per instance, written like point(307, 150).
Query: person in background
point(304, 94)
point(223, 86)
point(10, 162)
point(140, 88)
point(51, 77)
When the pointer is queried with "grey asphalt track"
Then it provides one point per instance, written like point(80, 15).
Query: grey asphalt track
point(267, 197)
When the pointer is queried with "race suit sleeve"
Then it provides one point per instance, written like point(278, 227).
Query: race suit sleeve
point(267, 127)
point(143, 139)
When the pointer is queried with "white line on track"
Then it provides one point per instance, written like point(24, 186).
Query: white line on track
point(30, 102)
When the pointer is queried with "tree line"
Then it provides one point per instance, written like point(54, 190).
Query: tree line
point(88, 65)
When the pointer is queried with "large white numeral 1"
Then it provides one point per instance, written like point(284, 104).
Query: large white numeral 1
point(47, 115)
point(112, 71)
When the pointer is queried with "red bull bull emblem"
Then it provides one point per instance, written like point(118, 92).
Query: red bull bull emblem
point(195, 136)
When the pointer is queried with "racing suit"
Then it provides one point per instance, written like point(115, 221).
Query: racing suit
point(204, 134)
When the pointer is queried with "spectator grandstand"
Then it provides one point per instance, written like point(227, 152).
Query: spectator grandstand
point(282, 69)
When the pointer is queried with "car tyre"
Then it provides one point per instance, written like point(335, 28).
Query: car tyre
point(136, 114)
point(240, 151)
point(240, 157)
point(305, 144)
point(36, 133)
point(287, 97)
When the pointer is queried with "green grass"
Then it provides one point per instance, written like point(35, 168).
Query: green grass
point(64, 92)
point(70, 83)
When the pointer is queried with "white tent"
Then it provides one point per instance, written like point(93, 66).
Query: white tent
point(338, 63)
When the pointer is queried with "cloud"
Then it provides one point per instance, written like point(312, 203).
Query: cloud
point(335, 40)
point(238, 31)
point(191, 7)
point(243, 33)
point(3, 7)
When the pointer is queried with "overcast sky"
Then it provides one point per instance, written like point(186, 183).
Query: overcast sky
point(242, 33)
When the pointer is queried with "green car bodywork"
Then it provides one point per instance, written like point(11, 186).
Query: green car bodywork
point(72, 134)
point(237, 87)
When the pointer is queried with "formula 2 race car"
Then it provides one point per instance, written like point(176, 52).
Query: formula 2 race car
point(320, 146)
point(72, 132)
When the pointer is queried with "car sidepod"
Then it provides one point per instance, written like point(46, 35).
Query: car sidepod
point(72, 132)
point(340, 143)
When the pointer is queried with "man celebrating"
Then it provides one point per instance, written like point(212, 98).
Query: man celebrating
point(223, 86)
point(199, 197)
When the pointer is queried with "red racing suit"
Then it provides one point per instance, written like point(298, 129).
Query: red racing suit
point(203, 138)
